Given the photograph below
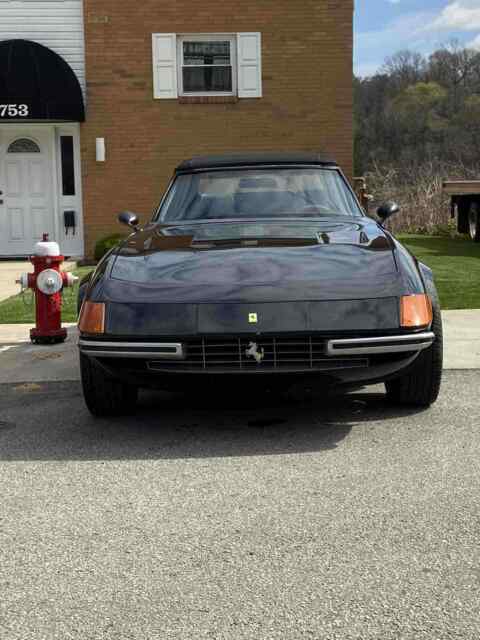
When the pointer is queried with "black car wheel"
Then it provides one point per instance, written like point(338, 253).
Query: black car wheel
point(421, 386)
point(104, 395)
point(474, 222)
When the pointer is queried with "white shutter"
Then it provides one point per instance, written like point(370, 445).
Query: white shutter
point(164, 66)
point(249, 65)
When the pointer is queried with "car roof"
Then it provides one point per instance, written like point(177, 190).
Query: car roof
point(254, 159)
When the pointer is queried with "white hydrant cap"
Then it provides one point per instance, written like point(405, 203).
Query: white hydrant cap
point(23, 281)
point(49, 282)
point(71, 279)
point(47, 249)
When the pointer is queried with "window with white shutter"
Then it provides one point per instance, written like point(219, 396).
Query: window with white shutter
point(207, 65)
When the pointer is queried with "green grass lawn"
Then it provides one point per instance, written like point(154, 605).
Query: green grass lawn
point(20, 309)
point(455, 263)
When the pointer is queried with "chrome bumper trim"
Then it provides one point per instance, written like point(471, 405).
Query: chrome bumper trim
point(157, 350)
point(388, 344)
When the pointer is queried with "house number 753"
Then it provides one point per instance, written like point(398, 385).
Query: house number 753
point(14, 110)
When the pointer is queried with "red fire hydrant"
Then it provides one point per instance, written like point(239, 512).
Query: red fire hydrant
point(48, 283)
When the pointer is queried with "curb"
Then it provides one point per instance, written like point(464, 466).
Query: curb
point(17, 334)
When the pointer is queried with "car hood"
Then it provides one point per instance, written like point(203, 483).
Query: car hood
point(268, 260)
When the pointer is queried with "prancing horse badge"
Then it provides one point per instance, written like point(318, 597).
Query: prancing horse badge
point(253, 318)
point(255, 352)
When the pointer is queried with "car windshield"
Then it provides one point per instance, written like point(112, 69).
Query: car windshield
point(258, 193)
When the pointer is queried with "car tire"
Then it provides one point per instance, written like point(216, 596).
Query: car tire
point(421, 386)
point(105, 395)
point(474, 222)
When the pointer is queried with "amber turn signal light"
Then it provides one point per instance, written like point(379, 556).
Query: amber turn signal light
point(92, 317)
point(416, 311)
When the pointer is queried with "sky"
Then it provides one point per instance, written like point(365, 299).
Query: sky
point(383, 27)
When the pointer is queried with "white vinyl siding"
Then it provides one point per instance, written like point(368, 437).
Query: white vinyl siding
point(246, 60)
point(57, 24)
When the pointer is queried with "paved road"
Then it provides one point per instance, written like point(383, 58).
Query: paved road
point(258, 518)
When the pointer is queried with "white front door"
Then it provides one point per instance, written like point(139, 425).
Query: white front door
point(26, 203)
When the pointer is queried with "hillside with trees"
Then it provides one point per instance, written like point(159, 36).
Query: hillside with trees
point(417, 121)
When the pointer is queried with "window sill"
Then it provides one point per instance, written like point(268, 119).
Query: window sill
point(208, 99)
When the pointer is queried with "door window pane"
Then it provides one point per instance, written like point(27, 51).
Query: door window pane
point(24, 145)
point(68, 165)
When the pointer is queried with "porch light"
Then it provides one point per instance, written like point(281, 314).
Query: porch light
point(100, 149)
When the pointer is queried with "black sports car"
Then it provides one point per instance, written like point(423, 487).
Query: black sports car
point(259, 268)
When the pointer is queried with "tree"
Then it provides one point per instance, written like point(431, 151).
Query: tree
point(417, 109)
point(404, 69)
point(454, 68)
point(416, 115)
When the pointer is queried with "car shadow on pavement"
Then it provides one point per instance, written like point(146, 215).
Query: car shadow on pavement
point(50, 422)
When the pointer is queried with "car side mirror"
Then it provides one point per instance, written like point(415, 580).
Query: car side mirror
point(129, 219)
point(387, 210)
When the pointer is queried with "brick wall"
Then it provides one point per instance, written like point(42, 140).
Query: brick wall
point(306, 105)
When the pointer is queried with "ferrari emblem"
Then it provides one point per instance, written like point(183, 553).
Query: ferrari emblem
point(253, 318)
point(254, 352)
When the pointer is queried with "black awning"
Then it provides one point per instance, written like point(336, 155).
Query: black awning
point(37, 77)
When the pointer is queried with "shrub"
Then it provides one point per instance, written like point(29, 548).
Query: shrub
point(105, 244)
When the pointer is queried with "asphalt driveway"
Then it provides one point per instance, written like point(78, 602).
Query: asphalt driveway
point(241, 517)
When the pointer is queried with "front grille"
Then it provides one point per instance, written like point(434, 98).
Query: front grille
point(299, 353)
